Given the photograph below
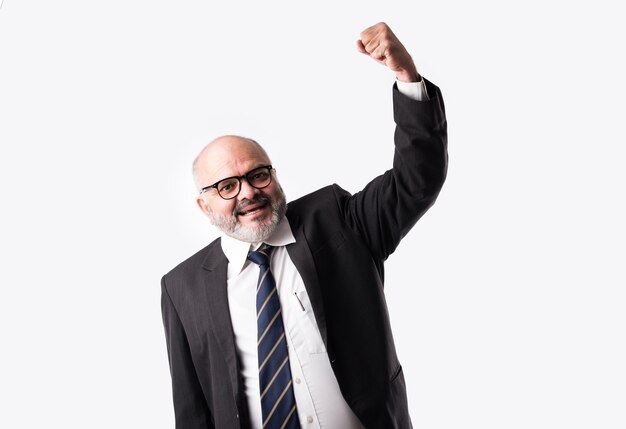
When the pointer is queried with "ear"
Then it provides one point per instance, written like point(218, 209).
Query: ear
point(203, 205)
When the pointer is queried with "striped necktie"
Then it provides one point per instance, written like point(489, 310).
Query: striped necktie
point(278, 404)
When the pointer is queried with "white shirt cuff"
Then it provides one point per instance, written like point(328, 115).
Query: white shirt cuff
point(414, 90)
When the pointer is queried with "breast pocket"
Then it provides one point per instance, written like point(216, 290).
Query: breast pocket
point(307, 323)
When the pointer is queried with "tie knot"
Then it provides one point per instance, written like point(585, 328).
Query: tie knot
point(261, 257)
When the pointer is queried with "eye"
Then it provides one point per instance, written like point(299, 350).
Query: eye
point(226, 187)
point(259, 176)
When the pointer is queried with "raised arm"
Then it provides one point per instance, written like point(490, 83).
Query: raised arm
point(386, 209)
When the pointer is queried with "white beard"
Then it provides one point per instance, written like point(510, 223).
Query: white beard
point(231, 226)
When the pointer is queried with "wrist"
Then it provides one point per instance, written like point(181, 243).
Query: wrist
point(408, 76)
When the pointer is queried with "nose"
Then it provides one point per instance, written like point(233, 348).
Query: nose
point(247, 192)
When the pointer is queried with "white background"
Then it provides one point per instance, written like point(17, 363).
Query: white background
point(507, 299)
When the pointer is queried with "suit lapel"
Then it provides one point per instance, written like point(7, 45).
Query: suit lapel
point(216, 300)
point(302, 258)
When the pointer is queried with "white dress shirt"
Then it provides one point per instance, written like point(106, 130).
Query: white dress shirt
point(318, 398)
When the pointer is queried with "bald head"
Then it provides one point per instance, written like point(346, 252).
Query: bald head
point(226, 155)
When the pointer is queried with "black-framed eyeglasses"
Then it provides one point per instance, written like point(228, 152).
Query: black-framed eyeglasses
point(230, 187)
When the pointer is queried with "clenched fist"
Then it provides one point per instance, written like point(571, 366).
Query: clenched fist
point(379, 42)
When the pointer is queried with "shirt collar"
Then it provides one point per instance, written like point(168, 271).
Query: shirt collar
point(237, 251)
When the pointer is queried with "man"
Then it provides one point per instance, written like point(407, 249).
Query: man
point(298, 288)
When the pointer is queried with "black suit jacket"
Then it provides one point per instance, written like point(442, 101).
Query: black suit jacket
point(341, 243)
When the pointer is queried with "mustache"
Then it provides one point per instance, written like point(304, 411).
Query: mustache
point(258, 199)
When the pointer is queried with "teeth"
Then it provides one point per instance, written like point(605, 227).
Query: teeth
point(250, 211)
point(243, 213)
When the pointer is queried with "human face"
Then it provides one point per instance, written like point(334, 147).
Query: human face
point(253, 215)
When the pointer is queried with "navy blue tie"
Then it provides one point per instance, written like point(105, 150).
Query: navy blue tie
point(278, 404)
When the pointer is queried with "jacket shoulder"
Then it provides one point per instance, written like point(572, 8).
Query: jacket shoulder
point(202, 259)
point(320, 201)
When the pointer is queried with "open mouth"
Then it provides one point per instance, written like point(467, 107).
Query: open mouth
point(252, 209)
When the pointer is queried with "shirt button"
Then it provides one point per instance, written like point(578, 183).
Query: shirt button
point(297, 380)
point(309, 419)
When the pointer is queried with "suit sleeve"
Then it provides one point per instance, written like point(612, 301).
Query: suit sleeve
point(190, 407)
point(388, 207)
